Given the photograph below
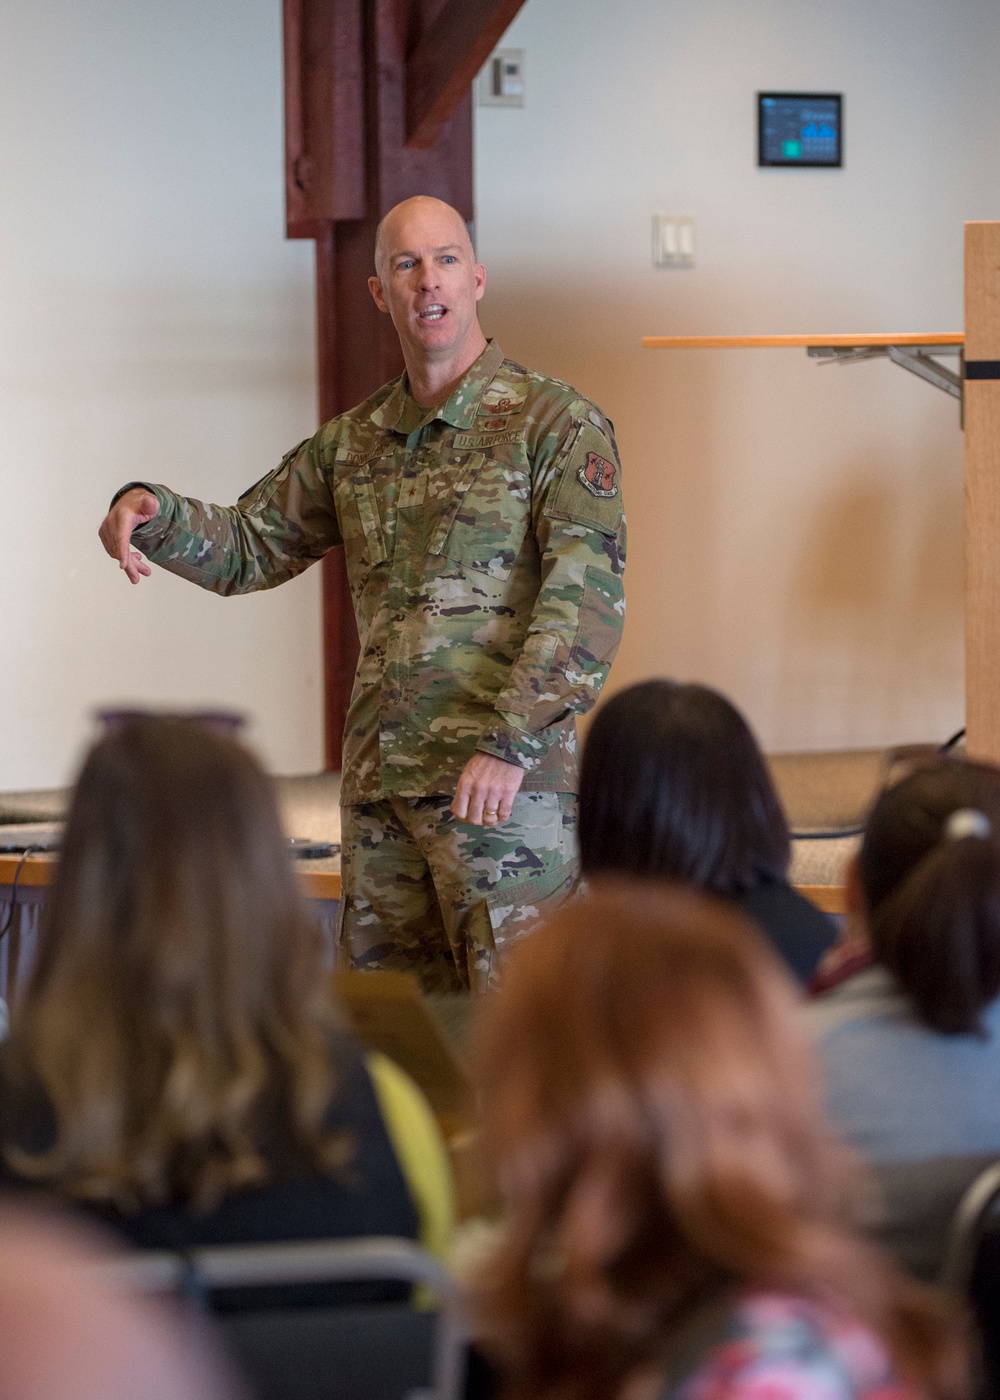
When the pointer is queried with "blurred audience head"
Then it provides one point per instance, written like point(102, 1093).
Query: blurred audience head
point(673, 785)
point(67, 1332)
point(929, 876)
point(651, 1113)
point(177, 1015)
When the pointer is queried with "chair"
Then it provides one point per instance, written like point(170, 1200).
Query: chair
point(368, 1351)
point(971, 1268)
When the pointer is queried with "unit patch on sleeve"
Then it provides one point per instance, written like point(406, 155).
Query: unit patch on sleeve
point(587, 489)
point(598, 475)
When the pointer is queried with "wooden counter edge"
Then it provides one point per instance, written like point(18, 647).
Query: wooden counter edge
point(829, 898)
point(35, 870)
point(325, 884)
point(40, 870)
point(777, 342)
point(321, 884)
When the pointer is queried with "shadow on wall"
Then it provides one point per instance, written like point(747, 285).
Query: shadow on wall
point(876, 592)
point(794, 536)
point(663, 424)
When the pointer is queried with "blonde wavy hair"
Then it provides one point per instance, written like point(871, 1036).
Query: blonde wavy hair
point(177, 1021)
point(652, 1116)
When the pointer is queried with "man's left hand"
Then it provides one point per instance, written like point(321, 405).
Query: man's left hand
point(486, 790)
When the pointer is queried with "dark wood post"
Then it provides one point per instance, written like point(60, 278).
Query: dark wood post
point(378, 107)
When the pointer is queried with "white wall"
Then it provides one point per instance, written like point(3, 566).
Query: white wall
point(154, 322)
point(795, 532)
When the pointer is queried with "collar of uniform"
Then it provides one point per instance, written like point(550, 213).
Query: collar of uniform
point(459, 409)
point(388, 414)
point(400, 413)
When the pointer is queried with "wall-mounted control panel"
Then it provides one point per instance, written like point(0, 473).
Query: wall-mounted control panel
point(800, 128)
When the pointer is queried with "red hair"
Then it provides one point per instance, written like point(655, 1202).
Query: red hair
point(652, 1117)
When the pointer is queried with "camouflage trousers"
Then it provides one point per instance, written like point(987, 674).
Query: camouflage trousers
point(426, 893)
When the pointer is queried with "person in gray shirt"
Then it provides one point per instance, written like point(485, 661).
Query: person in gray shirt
point(910, 1046)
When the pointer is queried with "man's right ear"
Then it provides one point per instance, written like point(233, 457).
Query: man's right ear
point(375, 287)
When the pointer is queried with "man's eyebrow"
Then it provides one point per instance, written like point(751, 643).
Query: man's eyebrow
point(411, 253)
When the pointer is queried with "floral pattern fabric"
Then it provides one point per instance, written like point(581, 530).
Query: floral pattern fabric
point(784, 1348)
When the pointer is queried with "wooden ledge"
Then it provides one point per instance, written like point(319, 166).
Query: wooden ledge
point(778, 342)
point(321, 884)
point(829, 898)
point(35, 870)
point(40, 870)
point(325, 884)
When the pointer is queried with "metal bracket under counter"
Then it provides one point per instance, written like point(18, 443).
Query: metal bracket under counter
point(918, 353)
point(921, 360)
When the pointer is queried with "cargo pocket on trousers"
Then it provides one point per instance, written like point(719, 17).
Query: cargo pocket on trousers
point(498, 921)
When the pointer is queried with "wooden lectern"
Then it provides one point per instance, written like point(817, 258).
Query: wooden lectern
point(981, 404)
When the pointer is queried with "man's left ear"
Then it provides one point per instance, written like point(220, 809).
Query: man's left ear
point(480, 281)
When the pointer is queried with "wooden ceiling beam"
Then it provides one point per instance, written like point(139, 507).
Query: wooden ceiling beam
point(444, 62)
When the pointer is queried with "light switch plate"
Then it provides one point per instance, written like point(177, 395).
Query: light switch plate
point(673, 240)
point(501, 81)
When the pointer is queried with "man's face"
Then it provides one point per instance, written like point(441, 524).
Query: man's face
point(428, 280)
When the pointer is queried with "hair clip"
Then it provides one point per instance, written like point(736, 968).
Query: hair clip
point(967, 821)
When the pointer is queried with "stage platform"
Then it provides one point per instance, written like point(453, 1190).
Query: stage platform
point(825, 795)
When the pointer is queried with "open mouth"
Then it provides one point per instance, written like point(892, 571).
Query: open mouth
point(434, 312)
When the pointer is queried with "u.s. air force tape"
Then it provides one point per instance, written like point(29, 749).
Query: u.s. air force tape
point(982, 369)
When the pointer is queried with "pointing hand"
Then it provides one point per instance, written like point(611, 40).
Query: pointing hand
point(134, 508)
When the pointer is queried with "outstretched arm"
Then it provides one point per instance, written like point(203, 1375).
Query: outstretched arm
point(276, 529)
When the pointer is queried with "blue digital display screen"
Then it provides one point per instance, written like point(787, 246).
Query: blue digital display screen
point(800, 128)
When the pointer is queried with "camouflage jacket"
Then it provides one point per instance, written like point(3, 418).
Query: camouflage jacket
point(485, 545)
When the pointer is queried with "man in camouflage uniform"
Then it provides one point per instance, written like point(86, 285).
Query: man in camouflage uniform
point(479, 506)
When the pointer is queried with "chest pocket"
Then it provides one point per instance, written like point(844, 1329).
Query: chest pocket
point(360, 525)
point(483, 524)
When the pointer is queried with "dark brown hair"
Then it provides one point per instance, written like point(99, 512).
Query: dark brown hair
point(673, 785)
point(177, 1019)
point(933, 901)
point(652, 1117)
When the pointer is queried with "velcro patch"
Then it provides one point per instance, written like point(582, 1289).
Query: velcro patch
point(598, 475)
point(412, 491)
point(360, 458)
point(467, 440)
point(500, 406)
point(588, 490)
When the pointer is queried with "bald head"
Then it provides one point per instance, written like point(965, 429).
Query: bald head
point(427, 279)
point(417, 221)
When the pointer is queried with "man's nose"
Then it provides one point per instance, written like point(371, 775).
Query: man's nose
point(428, 276)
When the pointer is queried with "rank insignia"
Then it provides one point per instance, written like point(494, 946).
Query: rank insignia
point(598, 475)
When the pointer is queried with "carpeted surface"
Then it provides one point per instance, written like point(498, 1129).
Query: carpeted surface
point(310, 805)
point(828, 792)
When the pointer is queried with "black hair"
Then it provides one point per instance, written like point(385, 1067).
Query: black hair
point(933, 900)
point(674, 785)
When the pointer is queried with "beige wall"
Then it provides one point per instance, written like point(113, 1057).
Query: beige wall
point(795, 531)
point(153, 322)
